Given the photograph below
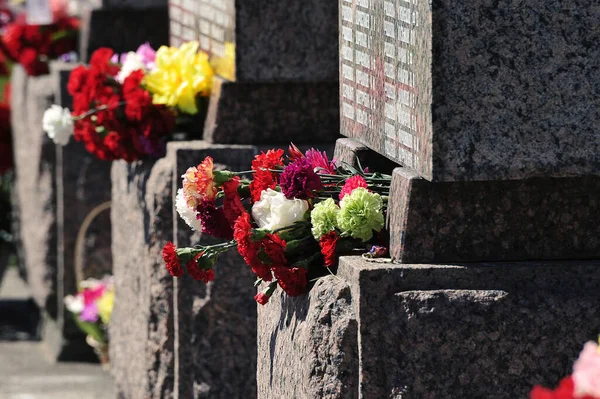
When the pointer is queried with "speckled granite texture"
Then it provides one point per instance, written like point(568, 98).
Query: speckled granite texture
point(35, 185)
point(141, 331)
point(530, 219)
point(128, 29)
point(307, 346)
point(285, 41)
point(431, 331)
point(477, 90)
point(275, 41)
point(215, 324)
point(246, 113)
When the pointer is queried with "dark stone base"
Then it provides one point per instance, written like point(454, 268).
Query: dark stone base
point(534, 219)
point(259, 113)
point(513, 220)
point(122, 29)
point(483, 330)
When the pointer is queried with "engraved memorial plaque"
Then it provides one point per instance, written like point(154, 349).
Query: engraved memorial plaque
point(212, 24)
point(469, 91)
point(385, 93)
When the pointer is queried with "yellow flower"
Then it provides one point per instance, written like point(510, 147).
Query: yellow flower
point(105, 305)
point(180, 75)
point(225, 65)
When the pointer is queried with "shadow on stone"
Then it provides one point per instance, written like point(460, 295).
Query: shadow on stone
point(19, 320)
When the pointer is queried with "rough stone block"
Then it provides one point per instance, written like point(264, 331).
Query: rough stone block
point(472, 91)
point(274, 41)
point(35, 184)
point(128, 29)
point(248, 113)
point(307, 346)
point(215, 324)
point(141, 334)
point(531, 219)
point(435, 331)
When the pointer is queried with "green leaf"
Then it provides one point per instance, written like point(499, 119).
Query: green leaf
point(92, 329)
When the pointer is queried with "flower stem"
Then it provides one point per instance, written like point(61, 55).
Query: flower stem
point(94, 110)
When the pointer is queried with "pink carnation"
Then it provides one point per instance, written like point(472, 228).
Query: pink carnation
point(320, 162)
point(586, 371)
point(352, 183)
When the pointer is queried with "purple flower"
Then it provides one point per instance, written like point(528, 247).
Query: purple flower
point(213, 220)
point(147, 55)
point(318, 160)
point(118, 59)
point(71, 56)
point(90, 313)
point(299, 180)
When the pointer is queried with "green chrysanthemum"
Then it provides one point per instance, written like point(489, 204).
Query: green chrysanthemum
point(361, 212)
point(324, 218)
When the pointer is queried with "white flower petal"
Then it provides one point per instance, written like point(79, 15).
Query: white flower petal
point(188, 215)
point(274, 211)
point(132, 63)
point(58, 124)
point(74, 303)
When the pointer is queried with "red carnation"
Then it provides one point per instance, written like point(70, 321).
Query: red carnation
point(292, 280)
point(198, 273)
point(262, 298)
point(100, 61)
point(232, 203)
point(268, 160)
point(328, 244)
point(565, 390)
point(242, 233)
point(171, 260)
point(274, 247)
point(30, 60)
point(136, 98)
point(264, 179)
point(77, 79)
point(353, 182)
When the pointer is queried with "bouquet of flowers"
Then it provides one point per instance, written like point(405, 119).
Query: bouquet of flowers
point(92, 308)
point(125, 107)
point(33, 46)
point(584, 383)
point(290, 222)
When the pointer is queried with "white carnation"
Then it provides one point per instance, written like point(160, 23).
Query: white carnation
point(75, 303)
point(274, 211)
point(58, 124)
point(131, 64)
point(187, 214)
